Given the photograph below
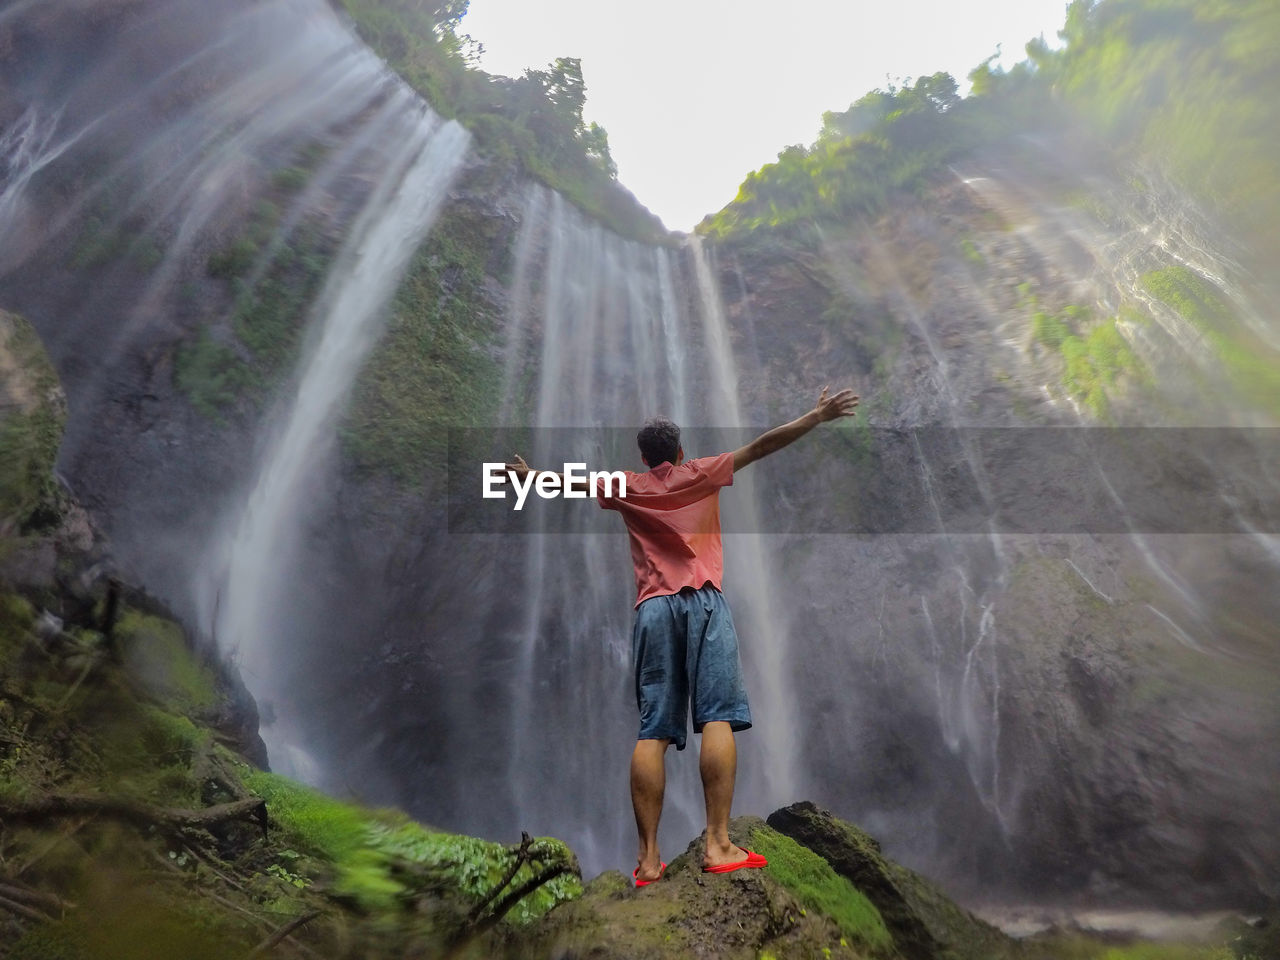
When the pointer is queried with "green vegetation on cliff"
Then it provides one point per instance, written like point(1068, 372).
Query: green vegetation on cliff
point(1254, 366)
point(133, 824)
point(31, 415)
point(1095, 353)
point(886, 142)
point(1184, 86)
point(534, 120)
point(435, 367)
point(1188, 84)
point(273, 274)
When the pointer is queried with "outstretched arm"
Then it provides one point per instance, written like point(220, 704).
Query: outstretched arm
point(522, 469)
point(843, 404)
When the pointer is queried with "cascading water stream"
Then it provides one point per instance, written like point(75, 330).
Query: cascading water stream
point(377, 252)
point(747, 565)
point(973, 709)
point(26, 148)
point(261, 85)
point(618, 344)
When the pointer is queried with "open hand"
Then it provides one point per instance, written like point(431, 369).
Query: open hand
point(843, 404)
point(518, 466)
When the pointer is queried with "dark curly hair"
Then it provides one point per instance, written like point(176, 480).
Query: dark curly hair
point(659, 441)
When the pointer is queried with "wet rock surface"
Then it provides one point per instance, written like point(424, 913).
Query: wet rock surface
point(923, 921)
point(746, 913)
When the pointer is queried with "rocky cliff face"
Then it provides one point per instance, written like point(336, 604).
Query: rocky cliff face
point(1054, 713)
point(1031, 678)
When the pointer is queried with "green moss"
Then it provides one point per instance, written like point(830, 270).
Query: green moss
point(216, 370)
point(334, 832)
point(16, 618)
point(49, 941)
point(169, 738)
point(1093, 361)
point(291, 178)
point(267, 320)
point(312, 821)
point(269, 317)
point(140, 750)
point(812, 881)
point(211, 375)
point(1190, 295)
point(970, 251)
point(233, 260)
point(157, 652)
point(1166, 951)
point(102, 242)
point(435, 366)
point(1049, 330)
point(369, 849)
point(1253, 367)
point(474, 866)
point(31, 433)
point(136, 922)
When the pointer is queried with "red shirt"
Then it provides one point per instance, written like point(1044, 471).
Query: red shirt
point(673, 522)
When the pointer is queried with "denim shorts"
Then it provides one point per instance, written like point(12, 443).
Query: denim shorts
point(685, 650)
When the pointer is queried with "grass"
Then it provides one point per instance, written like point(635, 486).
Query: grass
point(375, 852)
point(812, 881)
point(157, 652)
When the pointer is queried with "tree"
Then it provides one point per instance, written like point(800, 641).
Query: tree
point(596, 141)
point(563, 86)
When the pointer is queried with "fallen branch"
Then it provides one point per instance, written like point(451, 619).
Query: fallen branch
point(529, 852)
point(472, 931)
point(515, 896)
point(70, 805)
point(522, 857)
point(36, 898)
point(22, 910)
point(212, 865)
point(290, 927)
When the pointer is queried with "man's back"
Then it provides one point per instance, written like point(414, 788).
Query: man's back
point(684, 648)
point(672, 515)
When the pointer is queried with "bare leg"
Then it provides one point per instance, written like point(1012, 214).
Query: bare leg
point(718, 764)
point(648, 783)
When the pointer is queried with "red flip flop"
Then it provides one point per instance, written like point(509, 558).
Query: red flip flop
point(753, 860)
point(635, 875)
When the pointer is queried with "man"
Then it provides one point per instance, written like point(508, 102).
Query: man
point(684, 647)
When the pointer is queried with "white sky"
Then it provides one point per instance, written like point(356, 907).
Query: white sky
point(696, 93)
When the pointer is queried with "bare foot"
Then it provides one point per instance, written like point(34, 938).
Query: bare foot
point(718, 856)
point(647, 871)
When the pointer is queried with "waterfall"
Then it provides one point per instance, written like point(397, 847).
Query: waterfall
point(175, 147)
point(750, 578)
point(395, 219)
point(627, 332)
